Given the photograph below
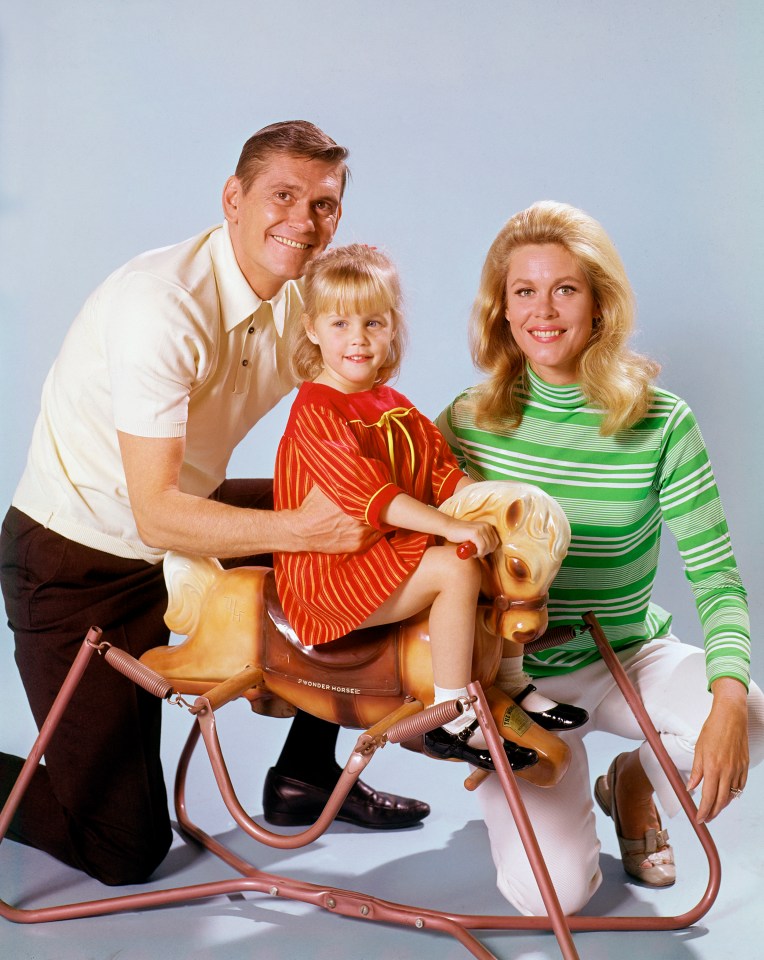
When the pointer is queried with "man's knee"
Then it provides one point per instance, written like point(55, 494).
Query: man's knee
point(120, 861)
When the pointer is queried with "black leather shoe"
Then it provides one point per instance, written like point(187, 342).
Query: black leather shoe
point(292, 803)
point(442, 745)
point(562, 716)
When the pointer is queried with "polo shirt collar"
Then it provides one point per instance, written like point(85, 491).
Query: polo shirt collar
point(238, 301)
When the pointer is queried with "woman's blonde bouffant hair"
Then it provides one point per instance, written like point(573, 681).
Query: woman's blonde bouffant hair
point(355, 279)
point(611, 376)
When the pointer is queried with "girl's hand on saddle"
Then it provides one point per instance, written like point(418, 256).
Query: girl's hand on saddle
point(721, 753)
point(482, 535)
point(321, 526)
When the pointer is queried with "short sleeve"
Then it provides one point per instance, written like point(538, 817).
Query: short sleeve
point(158, 349)
point(329, 452)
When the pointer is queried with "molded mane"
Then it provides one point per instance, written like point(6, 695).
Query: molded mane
point(188, 579)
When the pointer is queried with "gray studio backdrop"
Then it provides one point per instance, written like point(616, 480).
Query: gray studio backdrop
point(120, 121)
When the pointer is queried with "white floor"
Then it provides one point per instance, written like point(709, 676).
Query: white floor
point(418, 866)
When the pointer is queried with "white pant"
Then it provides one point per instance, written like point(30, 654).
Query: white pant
point(670, 677)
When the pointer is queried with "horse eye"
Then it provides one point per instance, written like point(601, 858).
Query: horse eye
point(518, 569)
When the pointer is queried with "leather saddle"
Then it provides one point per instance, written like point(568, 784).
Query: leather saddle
point(366, 661)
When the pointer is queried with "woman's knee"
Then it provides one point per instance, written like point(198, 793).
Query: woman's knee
point(574, 879)
point(564, 822)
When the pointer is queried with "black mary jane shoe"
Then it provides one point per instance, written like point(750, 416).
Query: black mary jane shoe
point(442, 745)
point(562, 716)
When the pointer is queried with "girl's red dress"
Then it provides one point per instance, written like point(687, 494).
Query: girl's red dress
point(362, 450)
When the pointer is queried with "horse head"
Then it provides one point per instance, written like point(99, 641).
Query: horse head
point(535, 535)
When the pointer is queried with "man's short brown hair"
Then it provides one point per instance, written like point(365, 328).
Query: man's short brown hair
point(300, 138)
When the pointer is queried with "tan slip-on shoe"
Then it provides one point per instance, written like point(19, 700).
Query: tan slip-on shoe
point(651, 859)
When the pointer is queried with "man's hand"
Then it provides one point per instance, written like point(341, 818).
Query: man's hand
point(321, 526)
point(172, 520)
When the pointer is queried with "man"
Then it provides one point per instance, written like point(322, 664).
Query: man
point(171, 362)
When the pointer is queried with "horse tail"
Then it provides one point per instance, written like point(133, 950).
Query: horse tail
point(188, 579)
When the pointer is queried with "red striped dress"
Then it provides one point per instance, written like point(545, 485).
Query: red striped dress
point(362, 450)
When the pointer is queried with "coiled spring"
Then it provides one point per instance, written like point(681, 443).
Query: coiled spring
point(134, 670)
point(424, 721)
point(551, 638)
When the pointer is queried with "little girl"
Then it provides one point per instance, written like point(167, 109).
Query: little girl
point(369, 450)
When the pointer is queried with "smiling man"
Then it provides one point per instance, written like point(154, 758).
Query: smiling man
point(169, 365)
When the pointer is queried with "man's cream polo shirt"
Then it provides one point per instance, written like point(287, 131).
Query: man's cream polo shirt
point(173, 344)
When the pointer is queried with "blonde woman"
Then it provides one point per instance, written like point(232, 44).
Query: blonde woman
point(569, 407)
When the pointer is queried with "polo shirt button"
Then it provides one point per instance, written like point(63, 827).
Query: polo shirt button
point(251, 330)
point(244, 363)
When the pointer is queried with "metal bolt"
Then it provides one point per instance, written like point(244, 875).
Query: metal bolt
point(331, 903)
point(419, 923)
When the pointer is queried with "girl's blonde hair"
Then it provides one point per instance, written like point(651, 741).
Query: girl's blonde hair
point(611, 376)
point(349, 280)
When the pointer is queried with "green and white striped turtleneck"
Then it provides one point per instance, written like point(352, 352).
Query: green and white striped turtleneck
point(615, 491)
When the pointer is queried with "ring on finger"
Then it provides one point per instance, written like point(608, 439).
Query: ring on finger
point(735, 793)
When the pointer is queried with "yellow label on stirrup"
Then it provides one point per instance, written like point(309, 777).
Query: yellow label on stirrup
point(516, 719)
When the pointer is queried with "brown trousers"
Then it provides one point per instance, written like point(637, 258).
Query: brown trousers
point(99, 801)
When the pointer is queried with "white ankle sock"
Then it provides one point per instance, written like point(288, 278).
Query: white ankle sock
point(464, 719)
point(512, 680)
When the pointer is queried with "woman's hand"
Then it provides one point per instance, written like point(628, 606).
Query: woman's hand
point(721, 753)
point(483, 535)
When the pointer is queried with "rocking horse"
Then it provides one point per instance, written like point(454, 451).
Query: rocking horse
point(234, 621)
point(239, 645)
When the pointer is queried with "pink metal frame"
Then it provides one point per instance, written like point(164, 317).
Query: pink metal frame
point(348, 902)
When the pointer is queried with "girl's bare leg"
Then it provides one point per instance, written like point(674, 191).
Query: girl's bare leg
point(449, 586)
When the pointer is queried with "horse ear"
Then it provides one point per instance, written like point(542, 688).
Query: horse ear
point(514, 514)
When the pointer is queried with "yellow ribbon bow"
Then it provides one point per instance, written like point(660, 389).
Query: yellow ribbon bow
point(394, 416)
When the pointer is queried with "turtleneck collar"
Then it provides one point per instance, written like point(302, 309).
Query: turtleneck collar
point(568, 396)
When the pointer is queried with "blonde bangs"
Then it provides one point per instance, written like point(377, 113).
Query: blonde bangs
point(344, 292)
